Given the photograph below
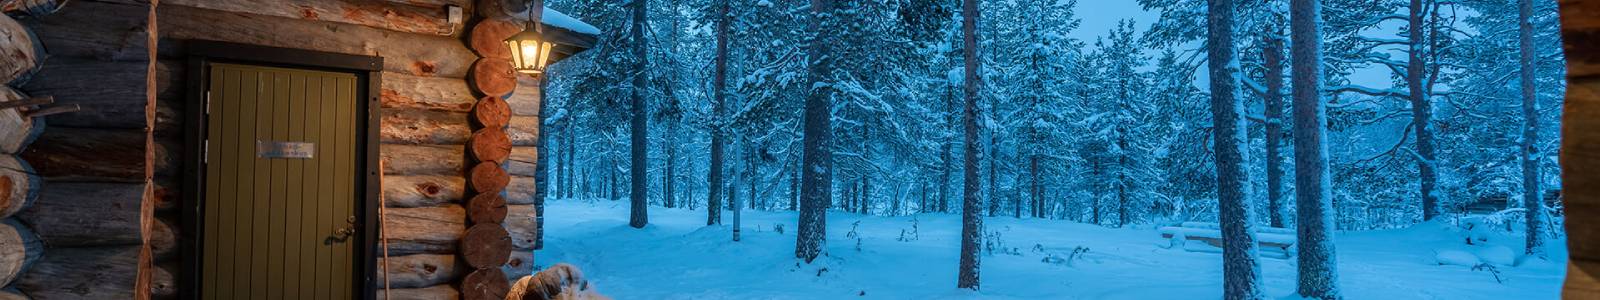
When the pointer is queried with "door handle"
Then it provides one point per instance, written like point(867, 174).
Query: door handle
point(343, 234)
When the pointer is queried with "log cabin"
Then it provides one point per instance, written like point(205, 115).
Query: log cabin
point(274, 149)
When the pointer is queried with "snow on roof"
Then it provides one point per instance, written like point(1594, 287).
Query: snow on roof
point(558, 19)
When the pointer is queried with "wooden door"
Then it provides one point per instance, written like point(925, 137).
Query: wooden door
point(281, 196)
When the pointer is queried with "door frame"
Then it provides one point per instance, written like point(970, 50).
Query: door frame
point(200, 55)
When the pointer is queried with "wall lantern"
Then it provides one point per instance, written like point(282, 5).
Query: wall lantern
point(530, 51)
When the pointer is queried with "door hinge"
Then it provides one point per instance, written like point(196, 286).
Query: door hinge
point(206, 157)
point(208, 103)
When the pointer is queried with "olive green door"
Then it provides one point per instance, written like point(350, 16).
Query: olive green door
point(280, 191)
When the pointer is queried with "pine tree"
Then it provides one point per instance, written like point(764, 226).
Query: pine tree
point(719, 86)
point(638, 213)
point(1532, 193)
point(971, 223)
point(1317, 265)
point(1241, 271)
point(818, 158)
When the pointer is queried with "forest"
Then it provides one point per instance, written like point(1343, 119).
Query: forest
point(1315, 121)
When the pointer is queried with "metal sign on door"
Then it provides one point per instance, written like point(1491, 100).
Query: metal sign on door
point(280, 149)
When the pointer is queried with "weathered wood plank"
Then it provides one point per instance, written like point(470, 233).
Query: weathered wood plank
point(524, 161)
point(84, 154)
point(377, 14)
point(524, 131)
point(109, 31)
point(424, 230)
point(416, 127)
point(83, 273)
point(521, 190)
point(423, 159)
point(525, 101)
point(420, 270)
point(76, 214)
point(111, 93)
point(437, 292)
point(406, 91)
point(523, 225)
point(423, 190)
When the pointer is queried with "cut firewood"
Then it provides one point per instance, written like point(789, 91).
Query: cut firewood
point(19, 187)
point(21, 49)
point(19, 248)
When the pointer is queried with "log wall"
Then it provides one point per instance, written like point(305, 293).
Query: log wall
point(90, 163)
point(1580, 146)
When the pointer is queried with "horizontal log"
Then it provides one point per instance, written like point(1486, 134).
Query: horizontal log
point(423, 190)
point(524, 161)
point(430, 93)
point(401, 159)
point(376, 14)
point(19, 187)
point(436, 3)
point(111, 93)
point(420, 270)
point(524, 131)
point(85, 154)
point(17, 129)
point(523, 225)
point(419, 127)
point(424, 230)
point(437, 292)
point(520, 264)
point(110, 31)
point(521, 190)
point(76, 214)
point(83, 273)
point(21, 49)
point(19, 248)
point(525, 101)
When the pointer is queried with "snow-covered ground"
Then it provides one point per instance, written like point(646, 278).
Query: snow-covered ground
point(677, 257)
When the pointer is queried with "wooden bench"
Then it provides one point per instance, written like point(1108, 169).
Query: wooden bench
point(1278, 241)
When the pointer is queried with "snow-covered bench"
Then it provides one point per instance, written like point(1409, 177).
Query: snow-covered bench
point(1279, 241)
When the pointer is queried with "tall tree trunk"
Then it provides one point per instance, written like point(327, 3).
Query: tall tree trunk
point(719, 86)
point(971, 223)
point(794, 188)
point(638, 215)
point(994, 170)
point(865, 201)
point(1532, 192)
point(671, 149)
point(1038, 187)
point(1317, 265)
point(944, 177)
point(1272, 56)
point(1240, 270)
point(817, 136)
point(1421, 112)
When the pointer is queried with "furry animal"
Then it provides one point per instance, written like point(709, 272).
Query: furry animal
point(559, 282)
